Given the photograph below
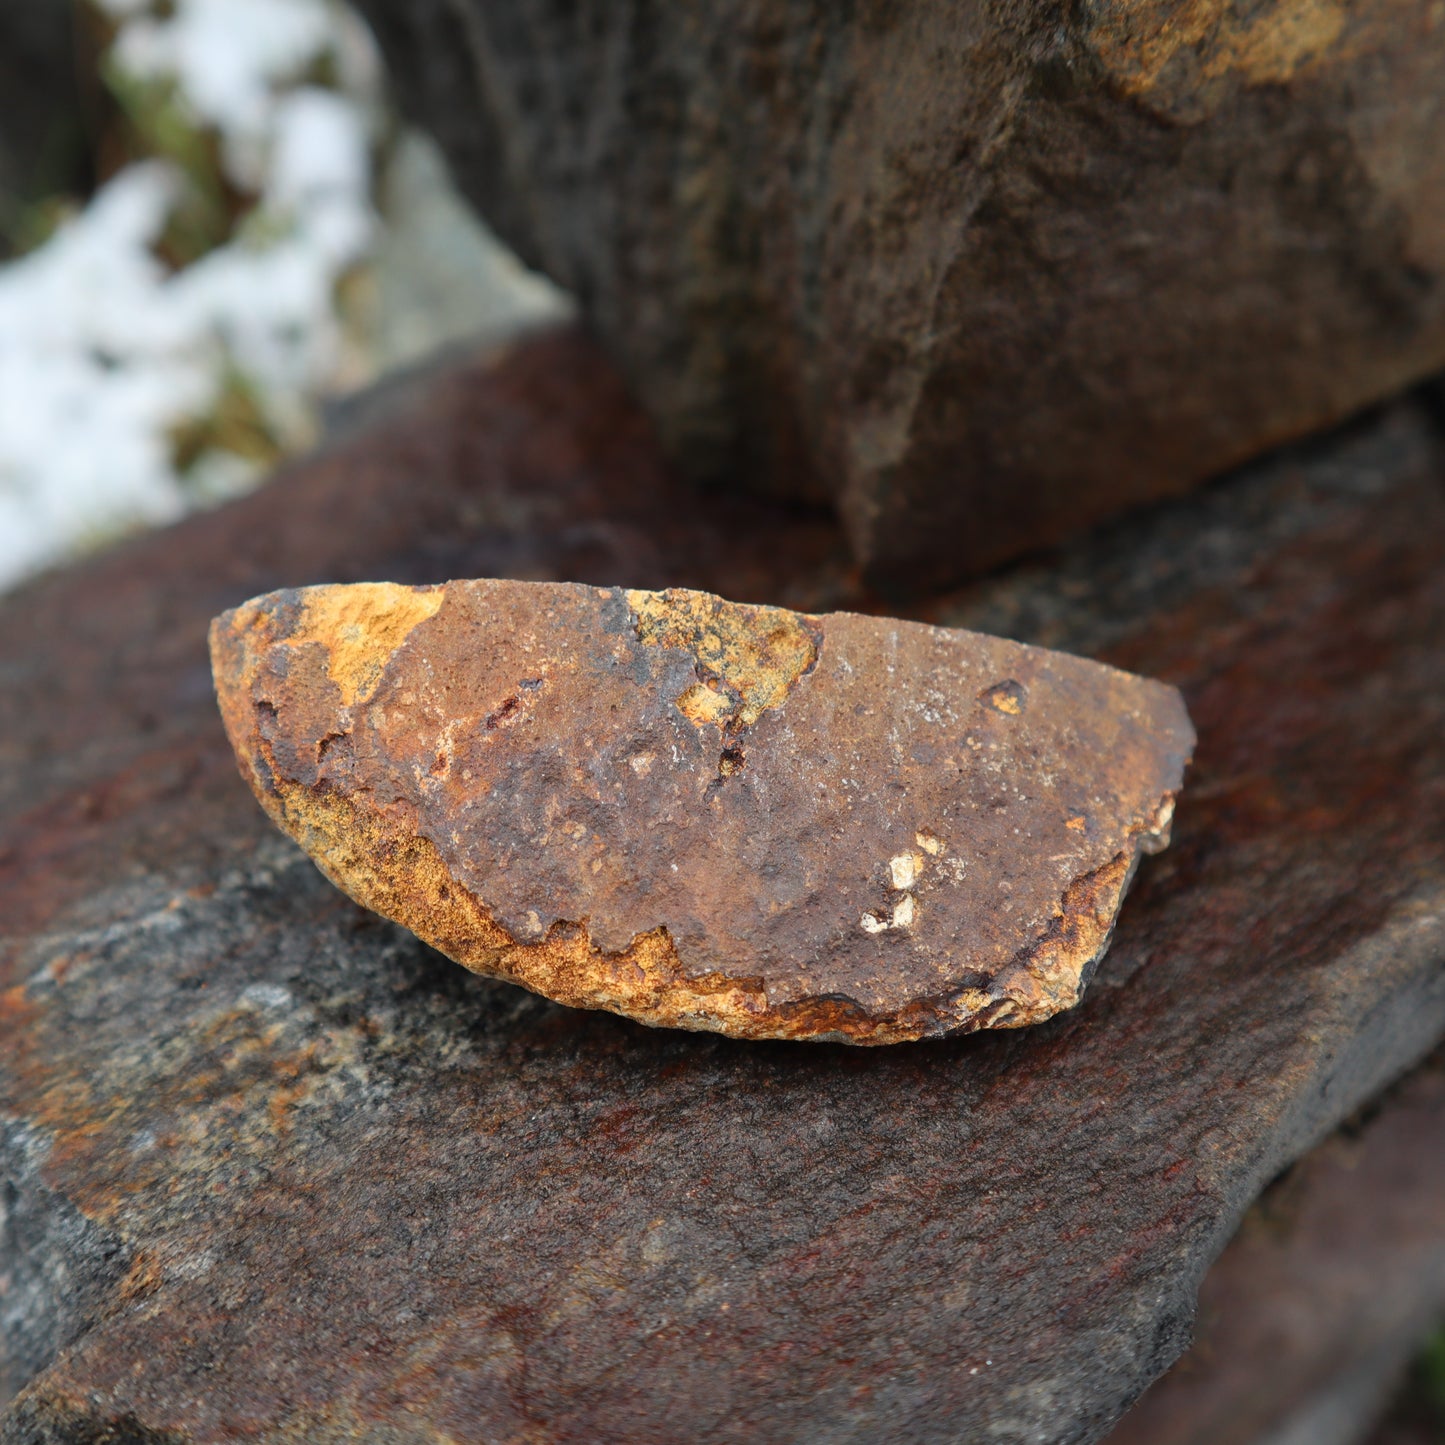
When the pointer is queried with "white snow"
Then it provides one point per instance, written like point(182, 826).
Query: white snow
point(226, 56)
point(104, 352)
point(92, 374)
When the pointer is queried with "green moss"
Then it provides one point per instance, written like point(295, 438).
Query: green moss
point(156, 124)
point(1429, 1372)
point(236, 423)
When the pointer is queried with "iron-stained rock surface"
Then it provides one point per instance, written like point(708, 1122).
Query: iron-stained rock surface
point(982, 270)
point(707, 814)
point(276, 1171)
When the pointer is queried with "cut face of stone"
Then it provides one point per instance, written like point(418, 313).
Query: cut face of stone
point(703, 814)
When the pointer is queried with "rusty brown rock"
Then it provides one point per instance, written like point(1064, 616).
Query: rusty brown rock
point(704, 814)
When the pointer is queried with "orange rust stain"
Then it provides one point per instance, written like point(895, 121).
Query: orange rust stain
point(361, 626)
point(748, 658)
point(144, 1277)
point(702, 704)
point(1005, 697)
point(15, 1006)
point(280, 1105)
point(1140, 40)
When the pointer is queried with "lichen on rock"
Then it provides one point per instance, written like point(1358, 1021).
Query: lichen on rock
point(708, 815)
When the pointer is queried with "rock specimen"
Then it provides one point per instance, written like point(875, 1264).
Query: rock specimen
point(705, 814)
point(982, 272)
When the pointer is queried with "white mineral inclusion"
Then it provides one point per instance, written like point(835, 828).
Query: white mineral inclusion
point(903, 870)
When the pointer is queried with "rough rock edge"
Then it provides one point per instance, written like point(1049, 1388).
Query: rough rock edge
point(58, 1263)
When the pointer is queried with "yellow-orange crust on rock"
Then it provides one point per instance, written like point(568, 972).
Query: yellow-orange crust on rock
point(316, 686)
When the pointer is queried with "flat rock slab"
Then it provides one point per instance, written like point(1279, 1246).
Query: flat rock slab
point(1309, 1317)
point(705, 814)
point(276, 1170)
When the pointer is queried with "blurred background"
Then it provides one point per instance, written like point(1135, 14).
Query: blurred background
point(212, 225)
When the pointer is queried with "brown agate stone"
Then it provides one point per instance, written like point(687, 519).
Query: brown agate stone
point(703, 814)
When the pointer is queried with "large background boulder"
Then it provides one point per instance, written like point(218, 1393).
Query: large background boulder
point(985, 272)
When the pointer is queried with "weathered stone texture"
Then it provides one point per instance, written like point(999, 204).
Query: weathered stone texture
point(984, 271)
point(360, 1193)
point(1307, 1319)
point(705, 814)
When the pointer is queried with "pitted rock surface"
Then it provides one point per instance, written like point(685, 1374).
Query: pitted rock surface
point(704, 814)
